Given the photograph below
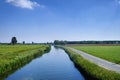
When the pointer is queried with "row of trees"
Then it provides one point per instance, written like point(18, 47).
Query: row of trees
point(14, 41)
point(93, 42)
point(57, 42)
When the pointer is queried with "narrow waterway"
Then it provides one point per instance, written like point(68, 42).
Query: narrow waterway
point(54, 65)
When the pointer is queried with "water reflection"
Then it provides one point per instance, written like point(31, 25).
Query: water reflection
point(55, 65)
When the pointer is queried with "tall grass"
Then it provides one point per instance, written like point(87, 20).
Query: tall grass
point(13, 57)
point(90, 70)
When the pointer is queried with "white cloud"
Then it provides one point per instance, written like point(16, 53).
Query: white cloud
point(28, 4)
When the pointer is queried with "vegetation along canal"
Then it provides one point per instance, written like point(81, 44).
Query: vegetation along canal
point(54, 65)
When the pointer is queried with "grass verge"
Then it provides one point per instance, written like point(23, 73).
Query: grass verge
point(13, 57)
point(90, 70)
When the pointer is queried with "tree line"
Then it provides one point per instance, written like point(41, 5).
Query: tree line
point(57, 42)
point(14, 42)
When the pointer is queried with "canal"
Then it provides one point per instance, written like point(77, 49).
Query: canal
point(54, 65)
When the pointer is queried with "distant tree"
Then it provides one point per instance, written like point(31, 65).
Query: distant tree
point(48, 43)
point(23, 42)
point(57, 42)
point(13, 41)
point(32, 42)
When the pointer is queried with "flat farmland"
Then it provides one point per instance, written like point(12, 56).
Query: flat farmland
point(110, 53)
point(13, 51)
point(14, 56)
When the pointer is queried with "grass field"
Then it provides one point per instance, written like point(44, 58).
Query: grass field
point(110, 53)
point(13, 56)
point(90, 70)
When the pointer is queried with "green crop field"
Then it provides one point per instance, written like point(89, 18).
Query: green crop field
point(13, 56)
point(110, 53)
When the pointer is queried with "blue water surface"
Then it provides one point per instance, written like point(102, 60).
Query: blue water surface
point(54, 65)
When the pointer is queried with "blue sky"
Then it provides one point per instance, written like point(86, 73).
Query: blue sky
point(49, 20)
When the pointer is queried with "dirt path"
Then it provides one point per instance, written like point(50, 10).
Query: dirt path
point(103, 63)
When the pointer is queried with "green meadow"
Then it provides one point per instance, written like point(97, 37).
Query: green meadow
point(14, 56)
point(110, 53)
point(90, 70)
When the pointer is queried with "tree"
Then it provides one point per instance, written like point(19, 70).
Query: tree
point(32, 42)
point(57, 42)
point(23, 42)
point(13, 41)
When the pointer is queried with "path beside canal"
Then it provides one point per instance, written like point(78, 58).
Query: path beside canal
point(54, 65)
point(101, 62)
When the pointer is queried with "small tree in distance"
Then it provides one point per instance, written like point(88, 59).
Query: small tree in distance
point(23, 42)
point(32, 42)
point(13, 41)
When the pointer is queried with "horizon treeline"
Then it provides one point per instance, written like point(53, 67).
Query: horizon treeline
point(58, 42)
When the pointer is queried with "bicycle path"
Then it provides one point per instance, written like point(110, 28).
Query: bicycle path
point(101, 62)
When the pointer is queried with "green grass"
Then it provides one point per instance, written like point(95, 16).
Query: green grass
point(14, 56)
point(91, 70)
point(110, 53)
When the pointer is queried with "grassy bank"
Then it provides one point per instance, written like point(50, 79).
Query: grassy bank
point(90, 70)
point(14, 56)
point(110, 53)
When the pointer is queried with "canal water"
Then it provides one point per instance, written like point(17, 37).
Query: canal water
point(54, 65)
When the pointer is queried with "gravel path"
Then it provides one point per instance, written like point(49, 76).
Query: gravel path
point(103, 63)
